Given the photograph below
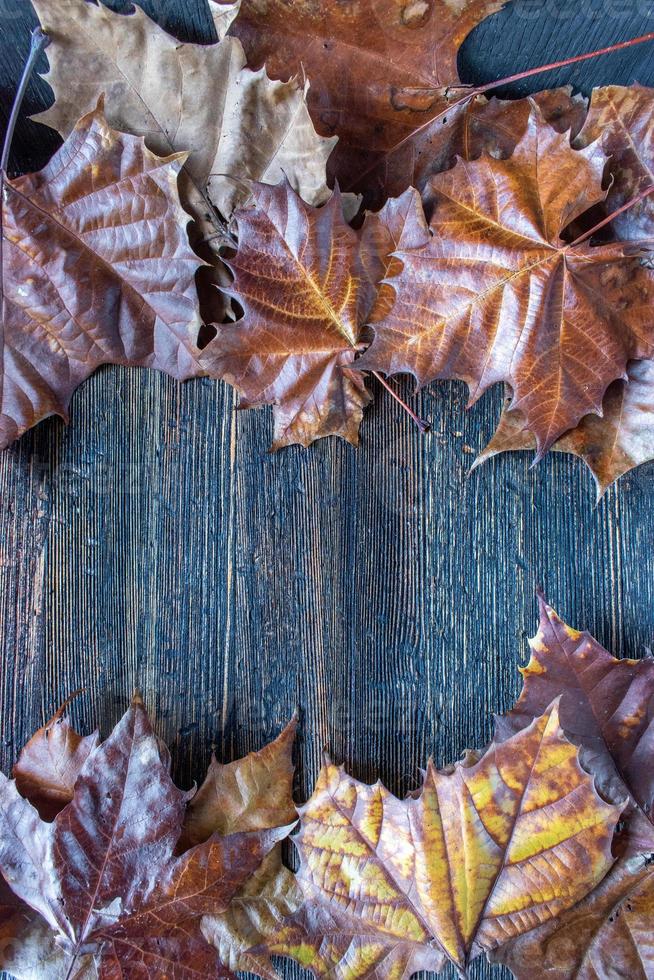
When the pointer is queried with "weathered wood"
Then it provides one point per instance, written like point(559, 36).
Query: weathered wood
point(157, 544)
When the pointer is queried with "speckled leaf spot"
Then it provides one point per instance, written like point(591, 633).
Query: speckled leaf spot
point(487, 851)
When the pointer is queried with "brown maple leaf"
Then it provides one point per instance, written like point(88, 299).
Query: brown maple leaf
point(97, 270)
point(48, 766)
point(495, 127)
point(485, 852)
point(498, 295)
point(380, 75)
point(307, 283)
point(254, 793)
point(622, 437)
point(606, 706)
point(621, 117)
point(102, 875)
point(607, 936)
point(610, 444)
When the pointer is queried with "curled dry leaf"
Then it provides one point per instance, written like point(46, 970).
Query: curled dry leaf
point(607, 936)
point(497, 295)
point(48, 766)
point(307, 283)
point(97, 270)
point(606, 706)
point(103, 876)
point(611, 444)
point(487, 851)
point(380, 74)
point(192, 97)
point(253, 793)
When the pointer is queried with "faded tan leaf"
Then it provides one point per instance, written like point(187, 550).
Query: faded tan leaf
point(197, 98)
point(254, 793)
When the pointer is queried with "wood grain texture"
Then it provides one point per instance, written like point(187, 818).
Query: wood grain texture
point(157, 543)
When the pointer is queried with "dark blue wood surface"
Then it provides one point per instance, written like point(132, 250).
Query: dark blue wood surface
point(155, 543)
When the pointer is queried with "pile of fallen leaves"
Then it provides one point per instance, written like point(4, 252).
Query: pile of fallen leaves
point(187, 224)
point(537, 851)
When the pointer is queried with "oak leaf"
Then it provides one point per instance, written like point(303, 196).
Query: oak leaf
point(381, 74)
point(606, 706)
point(103, 875)
point(498, 295)
point(196, 98)
point(607, 936)
point(97, 270)
point(486, 851)
point(307, 283)
point(611, 444)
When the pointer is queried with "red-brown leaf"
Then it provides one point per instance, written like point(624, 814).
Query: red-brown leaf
point(48, 766)
point(97, 270)
point(379, 73)
point(607, 706)
point(103, 875)
point(497, 295)
point(307, 282)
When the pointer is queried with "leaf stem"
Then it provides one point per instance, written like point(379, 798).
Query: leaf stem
point(40, 41)
point(472, 91)
point(601, 224)
point(480, 89)
point(422, 425)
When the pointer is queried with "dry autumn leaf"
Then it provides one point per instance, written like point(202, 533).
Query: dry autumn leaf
point(103, 876)
point(97, 270)
point(606, 707)
point(485, 852)
point(607, 936)
point(48, 766)
point(495, 127)
point(497, 295)
point(307, 283)
point(621, 117)
point(198, 98)
point(254, 793)
point(623, 437)
point(380, 75)
point(610, 444)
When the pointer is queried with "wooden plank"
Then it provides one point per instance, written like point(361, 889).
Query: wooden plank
point(156, 543)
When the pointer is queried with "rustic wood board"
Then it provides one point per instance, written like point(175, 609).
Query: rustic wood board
point(156, 543)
